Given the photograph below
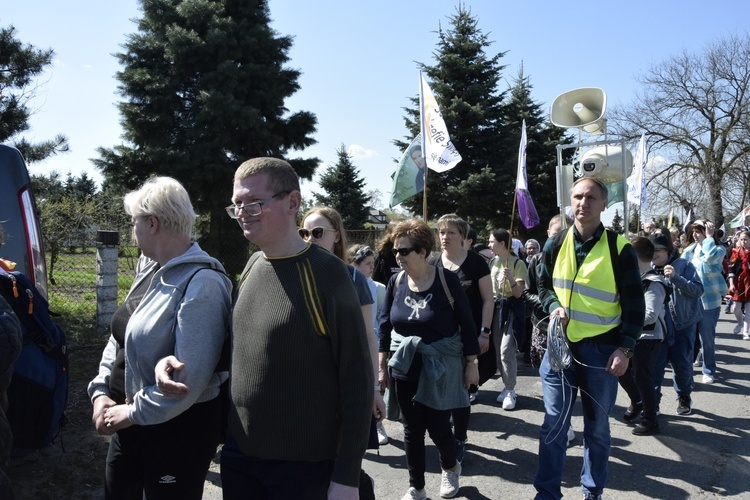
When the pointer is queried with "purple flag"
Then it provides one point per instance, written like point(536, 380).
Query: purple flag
point(526, 208)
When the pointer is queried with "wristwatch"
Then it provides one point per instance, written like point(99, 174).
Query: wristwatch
point(474, 361)
point(626, 351)
point(484, 329)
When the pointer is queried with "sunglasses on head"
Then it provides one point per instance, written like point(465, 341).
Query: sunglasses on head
point(362, 253)
point(403, 252)
point(316, 232)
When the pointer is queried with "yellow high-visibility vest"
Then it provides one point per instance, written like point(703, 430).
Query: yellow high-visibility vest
point(589, 293)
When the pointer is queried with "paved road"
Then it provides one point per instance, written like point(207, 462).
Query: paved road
point(703, 455)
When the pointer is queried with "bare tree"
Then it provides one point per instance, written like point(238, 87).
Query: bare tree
point(694, 108)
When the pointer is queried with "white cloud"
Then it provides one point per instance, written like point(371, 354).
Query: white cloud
point(356, 151)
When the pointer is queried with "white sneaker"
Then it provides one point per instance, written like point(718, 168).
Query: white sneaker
point(510, 400)
point(449, 482)
point(738, 328)
point(415, 494)
point(502, 395)
point(571, 435)
point(746, 336)
point(708, 379)
point(382, 435)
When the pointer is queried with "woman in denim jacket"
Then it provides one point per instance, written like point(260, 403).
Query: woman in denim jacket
point(707, 256)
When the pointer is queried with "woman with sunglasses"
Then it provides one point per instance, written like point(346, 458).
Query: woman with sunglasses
point(427, 323)
point(362, 257)
point(474, 274)
point(323, 226)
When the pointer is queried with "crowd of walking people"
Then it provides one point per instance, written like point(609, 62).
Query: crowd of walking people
point(295, 368)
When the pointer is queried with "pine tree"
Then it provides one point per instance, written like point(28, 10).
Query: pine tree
point(205, 85)
point(465, 81)
point(19, 66)
point(617, 221)
point(345, 191)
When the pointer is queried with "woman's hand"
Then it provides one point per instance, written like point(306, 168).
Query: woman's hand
point(508, 275)
point(484, 344)
point(116, 418)
point(669, 272)
point(101, 404)
point(383, 370)
point(378, 406)
point(471, 375)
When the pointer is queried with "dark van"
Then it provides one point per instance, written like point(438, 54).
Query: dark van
point(20, 219)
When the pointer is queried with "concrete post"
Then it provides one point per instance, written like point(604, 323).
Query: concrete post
point(107, 243)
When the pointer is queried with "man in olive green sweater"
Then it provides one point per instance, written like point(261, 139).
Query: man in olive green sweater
point(301, 374)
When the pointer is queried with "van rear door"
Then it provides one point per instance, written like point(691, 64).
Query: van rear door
point(20, 218)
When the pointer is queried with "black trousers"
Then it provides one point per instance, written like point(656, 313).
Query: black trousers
point(419, 419)
point(638, 381)
point(245, 477)
point(164, 461)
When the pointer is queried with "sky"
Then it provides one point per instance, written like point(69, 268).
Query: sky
point(359, 62)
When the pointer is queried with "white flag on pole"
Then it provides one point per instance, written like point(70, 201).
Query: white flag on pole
point(637, 179)
point(439, 152)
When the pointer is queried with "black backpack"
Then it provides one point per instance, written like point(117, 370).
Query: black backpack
point(38, 392)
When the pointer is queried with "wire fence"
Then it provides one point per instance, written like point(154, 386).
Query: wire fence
point(72, 281)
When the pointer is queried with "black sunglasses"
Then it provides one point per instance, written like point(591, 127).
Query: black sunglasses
point(316, 232)
point(403, 252)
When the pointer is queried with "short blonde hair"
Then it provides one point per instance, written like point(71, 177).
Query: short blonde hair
point(457, 222)
point(167, 200)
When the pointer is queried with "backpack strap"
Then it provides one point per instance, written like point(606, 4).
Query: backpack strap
point(441, 273)
point(396, 283)
point(614, 255)
point(20, 293)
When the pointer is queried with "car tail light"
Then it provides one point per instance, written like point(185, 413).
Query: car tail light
point(34, 246)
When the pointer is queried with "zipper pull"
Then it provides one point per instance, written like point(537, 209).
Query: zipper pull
point(15, 286)
point(30, 294)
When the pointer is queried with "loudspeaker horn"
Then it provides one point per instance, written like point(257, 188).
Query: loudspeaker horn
point(582, 108)
point(605, 163)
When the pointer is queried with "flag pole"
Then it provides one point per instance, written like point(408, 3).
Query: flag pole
point(424, 150)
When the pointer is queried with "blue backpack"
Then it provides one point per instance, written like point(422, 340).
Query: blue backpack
point(38, 391)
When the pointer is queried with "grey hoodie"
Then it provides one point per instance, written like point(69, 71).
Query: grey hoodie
point(191, 324)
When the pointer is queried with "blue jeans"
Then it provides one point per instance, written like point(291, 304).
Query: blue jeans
point(680, 355)
point(707, 334)
point(598, 395)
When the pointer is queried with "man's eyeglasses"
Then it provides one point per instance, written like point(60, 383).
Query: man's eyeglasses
point(316, 232)
point(403, 252)
point(252, 209)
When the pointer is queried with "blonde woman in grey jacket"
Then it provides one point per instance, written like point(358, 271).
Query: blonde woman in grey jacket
point(180, 305)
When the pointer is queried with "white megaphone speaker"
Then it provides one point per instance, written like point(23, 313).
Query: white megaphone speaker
point(605, 163)
point(580, 108)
